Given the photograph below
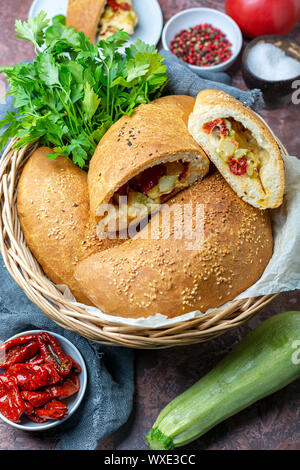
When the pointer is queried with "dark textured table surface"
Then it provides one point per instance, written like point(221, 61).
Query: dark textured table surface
point(272, 423)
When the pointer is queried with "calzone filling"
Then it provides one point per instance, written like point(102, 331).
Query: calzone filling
point(117, 15)
point(144, 193)
point(236, 146)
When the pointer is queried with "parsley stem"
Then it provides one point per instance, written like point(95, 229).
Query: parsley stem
point(68, 113)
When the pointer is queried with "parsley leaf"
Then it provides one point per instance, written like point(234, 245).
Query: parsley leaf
point(48, 69)
point(90, 101)
point(33, 30)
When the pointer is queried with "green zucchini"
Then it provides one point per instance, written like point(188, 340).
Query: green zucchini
point(265, 361)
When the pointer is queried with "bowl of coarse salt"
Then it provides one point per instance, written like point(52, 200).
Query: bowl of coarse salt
point(272, 63)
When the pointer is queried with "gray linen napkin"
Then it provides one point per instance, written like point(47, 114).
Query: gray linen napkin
point(184, 81)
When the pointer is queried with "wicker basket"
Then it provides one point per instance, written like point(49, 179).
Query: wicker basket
point(28, 274)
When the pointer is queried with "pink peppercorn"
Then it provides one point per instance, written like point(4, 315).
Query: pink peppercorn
point(202, 45)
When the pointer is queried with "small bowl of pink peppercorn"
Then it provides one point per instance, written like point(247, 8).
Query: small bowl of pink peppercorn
point(204, 38)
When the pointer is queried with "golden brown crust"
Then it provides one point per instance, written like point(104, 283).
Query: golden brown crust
point(53, 207)
point(85, 15)
point(154, 132)
point(144, 277)
point(219, 98)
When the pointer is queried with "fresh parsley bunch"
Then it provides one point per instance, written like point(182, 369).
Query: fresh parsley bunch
point(74, 90)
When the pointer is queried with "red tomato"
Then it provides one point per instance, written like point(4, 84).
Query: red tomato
point(260, 17)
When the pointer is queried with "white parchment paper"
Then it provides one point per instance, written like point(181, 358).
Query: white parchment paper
point(283, 271)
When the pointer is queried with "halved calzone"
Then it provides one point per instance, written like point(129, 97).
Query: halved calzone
point(99, 19)
point(241, 146)
point(143, 160)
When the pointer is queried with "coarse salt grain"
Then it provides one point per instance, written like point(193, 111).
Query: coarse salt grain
point(271, 63)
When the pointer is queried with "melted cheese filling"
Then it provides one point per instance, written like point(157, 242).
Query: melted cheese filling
point(236, 146)
point(145, 193)
point(112, 21)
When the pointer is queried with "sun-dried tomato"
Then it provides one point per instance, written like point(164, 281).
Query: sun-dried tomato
point(219, 123)
point(12, 405)
point(238, 167)
point(53, 354)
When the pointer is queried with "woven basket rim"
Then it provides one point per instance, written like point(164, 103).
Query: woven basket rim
point(27, 273)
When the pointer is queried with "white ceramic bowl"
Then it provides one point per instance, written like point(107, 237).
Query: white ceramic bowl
point(194, 16)
point(73, 402)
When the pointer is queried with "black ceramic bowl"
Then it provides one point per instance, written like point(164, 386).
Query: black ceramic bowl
point(272, 90)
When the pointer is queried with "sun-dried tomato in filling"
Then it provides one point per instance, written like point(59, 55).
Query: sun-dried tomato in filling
point(238, 167)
